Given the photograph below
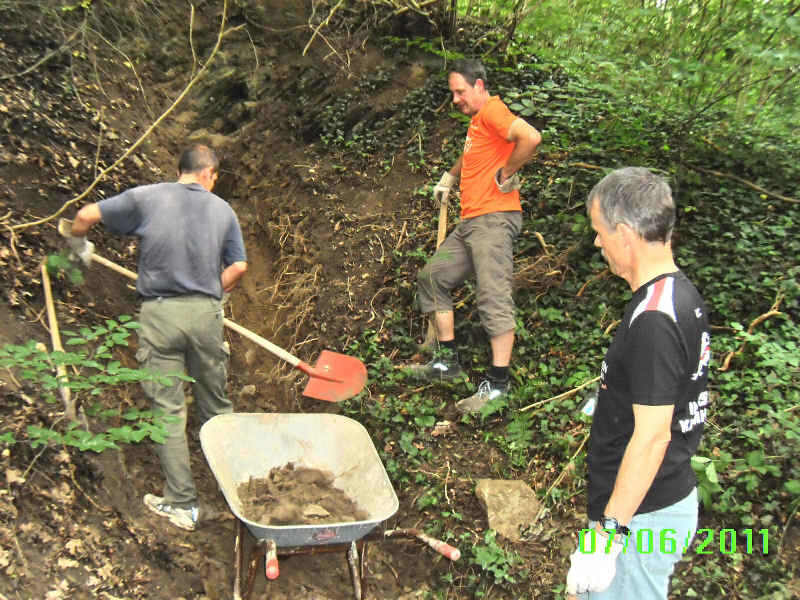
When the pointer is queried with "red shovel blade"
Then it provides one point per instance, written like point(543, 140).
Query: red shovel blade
point(335, 377)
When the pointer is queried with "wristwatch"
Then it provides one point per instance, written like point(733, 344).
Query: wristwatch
point(612, 523)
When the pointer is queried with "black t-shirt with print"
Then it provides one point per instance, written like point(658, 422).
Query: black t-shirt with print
point(659, 356)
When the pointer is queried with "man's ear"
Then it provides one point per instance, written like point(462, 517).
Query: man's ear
point(628, 234)
point(479, 85)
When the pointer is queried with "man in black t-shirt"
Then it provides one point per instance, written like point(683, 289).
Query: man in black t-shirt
point(652, 402)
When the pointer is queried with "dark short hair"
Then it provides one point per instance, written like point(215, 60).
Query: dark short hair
point(470, 69)
point(637, 197)
point(196, 158)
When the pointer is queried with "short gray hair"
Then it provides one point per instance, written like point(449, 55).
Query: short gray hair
point(637, 197)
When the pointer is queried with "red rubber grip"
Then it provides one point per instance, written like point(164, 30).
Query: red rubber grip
point(272, 569)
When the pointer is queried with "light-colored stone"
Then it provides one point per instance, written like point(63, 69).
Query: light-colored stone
point(510, 506)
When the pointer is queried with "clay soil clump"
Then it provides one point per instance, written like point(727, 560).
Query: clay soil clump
point(292, 495)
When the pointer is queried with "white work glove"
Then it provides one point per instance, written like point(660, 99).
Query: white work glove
point(510, 184)
point(442, 189)
point(593, 572)
point(81, 248)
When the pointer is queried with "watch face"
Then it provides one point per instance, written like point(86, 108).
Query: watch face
point(612, 523)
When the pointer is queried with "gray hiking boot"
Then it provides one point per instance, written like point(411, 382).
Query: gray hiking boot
point(443, 367)
point(185, 518)
point(487, 390)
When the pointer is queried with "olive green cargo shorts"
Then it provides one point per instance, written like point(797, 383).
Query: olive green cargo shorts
point(177, 335)
point(481, 246)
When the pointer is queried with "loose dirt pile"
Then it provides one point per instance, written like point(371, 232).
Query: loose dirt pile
point(292, 495)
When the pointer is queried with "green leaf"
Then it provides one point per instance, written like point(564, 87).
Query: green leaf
point(793, 487)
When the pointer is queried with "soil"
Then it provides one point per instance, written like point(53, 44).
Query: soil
point(318, 232)
point(292, 495)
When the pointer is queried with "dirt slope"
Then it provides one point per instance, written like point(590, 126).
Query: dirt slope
point(319, 236)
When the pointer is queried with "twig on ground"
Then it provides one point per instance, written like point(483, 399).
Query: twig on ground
point(561, 476)
point(321, 25)
point(563, 395)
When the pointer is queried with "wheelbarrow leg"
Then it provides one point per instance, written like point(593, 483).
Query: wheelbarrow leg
point(255, 556)
point(239, 560)
point(355, 570)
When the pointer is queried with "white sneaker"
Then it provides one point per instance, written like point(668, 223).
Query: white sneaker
point(487, 390)
point(185, 518)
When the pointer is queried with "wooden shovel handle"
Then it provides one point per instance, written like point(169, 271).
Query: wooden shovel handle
point(442, 232)
point(277, 350)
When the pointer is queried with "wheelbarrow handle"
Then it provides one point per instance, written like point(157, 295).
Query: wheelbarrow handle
point(271, 560)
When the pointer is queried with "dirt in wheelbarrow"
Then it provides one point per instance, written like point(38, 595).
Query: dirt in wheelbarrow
point(292, 495)
point(333, 245)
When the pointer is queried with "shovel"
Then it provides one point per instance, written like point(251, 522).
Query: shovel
point(333, 378)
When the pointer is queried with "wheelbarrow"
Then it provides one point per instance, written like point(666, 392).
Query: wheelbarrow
point(241, 446)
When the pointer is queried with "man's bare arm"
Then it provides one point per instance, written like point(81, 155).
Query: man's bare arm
point(86, 218)
point(526, 138)
point(641, 461)
point(232, 274)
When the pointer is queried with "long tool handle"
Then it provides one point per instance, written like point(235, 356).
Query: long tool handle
point(441, 234)
point(55, 338)
point(441, 547)
point(277, 350)
point(442, 231)
point(264, 343)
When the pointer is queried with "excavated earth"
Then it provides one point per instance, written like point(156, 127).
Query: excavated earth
point(320, 233)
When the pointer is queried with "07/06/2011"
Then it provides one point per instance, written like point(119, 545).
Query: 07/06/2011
point(668, 541)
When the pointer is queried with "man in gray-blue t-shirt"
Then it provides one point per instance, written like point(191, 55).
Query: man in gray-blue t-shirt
point(190, 251)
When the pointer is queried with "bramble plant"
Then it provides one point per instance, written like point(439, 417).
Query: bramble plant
point(91, 370)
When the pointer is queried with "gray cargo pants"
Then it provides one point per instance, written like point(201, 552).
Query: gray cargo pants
point(183, 334)
point(482, 246)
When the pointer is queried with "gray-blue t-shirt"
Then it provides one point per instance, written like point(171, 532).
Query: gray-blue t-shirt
point(188, 236)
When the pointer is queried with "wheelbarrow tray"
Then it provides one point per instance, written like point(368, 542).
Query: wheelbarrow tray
point(239, 446)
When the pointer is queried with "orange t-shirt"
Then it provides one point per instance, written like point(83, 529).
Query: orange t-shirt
point(486, 149)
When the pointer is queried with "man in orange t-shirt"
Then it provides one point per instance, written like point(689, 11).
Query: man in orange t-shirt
point(498, 144)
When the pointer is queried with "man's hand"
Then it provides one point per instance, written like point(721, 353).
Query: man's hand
point(442, 189)
point(81, 248)
point(509, 185)
point(593, 572)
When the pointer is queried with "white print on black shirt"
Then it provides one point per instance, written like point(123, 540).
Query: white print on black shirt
point(603, 371)
point(705, 355)
point(697, 413)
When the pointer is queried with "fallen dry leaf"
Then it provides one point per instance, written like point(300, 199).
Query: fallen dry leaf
point(13, 476)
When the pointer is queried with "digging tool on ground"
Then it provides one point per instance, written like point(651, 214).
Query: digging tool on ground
point(430, 336)
point(333, 378)
point(55, 338)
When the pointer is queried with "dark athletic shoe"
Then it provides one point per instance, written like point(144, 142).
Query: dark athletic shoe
point(443, 367)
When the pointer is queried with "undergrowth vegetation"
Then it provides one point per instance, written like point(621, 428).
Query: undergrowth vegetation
point(736, 239)
point(704, 93)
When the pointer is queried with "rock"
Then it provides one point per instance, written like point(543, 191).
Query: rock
point(315, 511)
point(510, 505)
